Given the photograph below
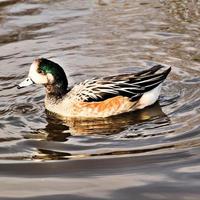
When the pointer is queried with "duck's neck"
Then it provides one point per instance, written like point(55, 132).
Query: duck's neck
point(56, 92)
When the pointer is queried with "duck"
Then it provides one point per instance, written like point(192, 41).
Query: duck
point(96, 97)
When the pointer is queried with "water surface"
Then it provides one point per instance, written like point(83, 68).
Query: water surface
point(149, 154)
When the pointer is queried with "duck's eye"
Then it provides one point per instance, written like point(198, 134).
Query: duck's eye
point(40, 71)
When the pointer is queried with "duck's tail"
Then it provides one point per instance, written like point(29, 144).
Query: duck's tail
point(153, 70)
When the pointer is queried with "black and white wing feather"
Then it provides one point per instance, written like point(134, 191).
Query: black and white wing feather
point(129, 85)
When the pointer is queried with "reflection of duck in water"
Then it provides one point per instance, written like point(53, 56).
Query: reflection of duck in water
point(58, 131)
point(96, 98)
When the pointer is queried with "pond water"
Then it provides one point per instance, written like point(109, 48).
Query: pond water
point(149, 154)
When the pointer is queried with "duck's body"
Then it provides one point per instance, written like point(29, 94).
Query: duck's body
point(72, 106)
point(94, 98)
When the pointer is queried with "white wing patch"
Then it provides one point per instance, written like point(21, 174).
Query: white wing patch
point(97, 89)
point(132, 86)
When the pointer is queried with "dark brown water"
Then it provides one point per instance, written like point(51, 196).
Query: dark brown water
point(150, 154)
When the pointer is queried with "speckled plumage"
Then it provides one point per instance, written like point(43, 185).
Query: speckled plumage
point(102, 97)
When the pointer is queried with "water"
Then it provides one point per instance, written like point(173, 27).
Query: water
point(150, 154)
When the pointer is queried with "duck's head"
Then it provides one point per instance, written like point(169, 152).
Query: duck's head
point(47, 73)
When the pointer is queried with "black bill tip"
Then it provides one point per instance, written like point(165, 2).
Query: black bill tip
point(18, 87)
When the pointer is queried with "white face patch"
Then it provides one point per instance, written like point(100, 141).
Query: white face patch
point(35, 76)
point(50, 78)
